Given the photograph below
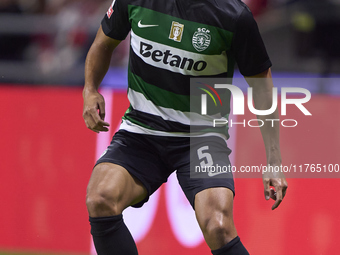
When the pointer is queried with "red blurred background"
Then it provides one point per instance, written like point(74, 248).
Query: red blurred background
point(47, 155)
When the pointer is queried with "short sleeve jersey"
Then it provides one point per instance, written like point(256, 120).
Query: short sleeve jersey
point(173, 41)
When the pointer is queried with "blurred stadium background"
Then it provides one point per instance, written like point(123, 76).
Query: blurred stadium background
point(47, 153)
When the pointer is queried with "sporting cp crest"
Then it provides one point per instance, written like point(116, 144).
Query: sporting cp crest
point(201, 39)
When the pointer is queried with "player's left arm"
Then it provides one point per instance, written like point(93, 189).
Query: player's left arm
point(262, 85)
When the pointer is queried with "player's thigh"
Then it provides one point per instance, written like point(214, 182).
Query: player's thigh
point(203, 151)
point(113, 184)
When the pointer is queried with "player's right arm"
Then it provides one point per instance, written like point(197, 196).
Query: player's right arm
point(96, 66)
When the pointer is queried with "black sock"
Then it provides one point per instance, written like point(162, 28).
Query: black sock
point(111, 236)
point(234, 247)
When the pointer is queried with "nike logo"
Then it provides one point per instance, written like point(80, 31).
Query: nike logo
point(140, 25)
point(211, 174)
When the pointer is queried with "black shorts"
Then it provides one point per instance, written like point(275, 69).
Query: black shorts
point(151, 159)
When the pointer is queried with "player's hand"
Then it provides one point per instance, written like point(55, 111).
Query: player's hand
point(94, 111)
point(278, 181)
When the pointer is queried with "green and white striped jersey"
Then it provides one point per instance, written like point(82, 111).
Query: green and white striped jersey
point(173, 41)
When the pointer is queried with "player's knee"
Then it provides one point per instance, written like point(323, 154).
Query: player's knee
point(101, 203)
point(219, 225)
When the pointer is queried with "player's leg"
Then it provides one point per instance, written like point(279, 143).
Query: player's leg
point(211, 192)
point(110, 190)
point(214, 212)
point(126, 174)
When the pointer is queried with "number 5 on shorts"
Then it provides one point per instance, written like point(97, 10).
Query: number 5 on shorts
point(204, 156)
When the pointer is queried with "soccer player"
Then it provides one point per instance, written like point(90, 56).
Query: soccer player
point(171, 42)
